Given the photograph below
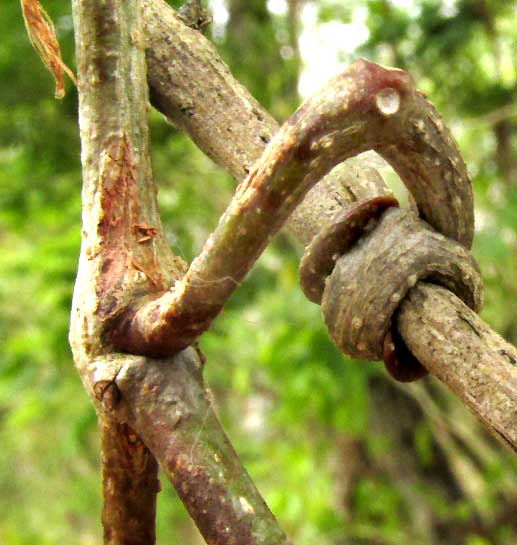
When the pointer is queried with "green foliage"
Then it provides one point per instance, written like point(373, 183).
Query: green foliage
point(304, 419)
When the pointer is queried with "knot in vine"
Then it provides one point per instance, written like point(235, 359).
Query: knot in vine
point(361, 265)
point(375, 271)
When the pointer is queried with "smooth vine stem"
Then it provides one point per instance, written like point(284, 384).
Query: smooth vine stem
point(367, 107)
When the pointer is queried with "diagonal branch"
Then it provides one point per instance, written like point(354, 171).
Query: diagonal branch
point(229, 126)
point(166, 401)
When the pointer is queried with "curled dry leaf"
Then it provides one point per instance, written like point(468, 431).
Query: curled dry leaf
point(42, 34)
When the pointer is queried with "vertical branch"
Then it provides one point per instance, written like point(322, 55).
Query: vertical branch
point(142, 403)
point(130, 485)
point(123, 247)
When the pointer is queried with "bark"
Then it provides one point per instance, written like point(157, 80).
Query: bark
point(457, 347)
point(227, 123)
point(130, 485)
point(116, 168)
point(166, 401)
point(236, 131)
point(369, 281)
point(124, 255)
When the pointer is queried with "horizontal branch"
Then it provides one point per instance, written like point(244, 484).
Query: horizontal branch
point(212, 87)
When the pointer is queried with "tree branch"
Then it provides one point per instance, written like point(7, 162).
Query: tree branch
point(235, 132)
point(130, 485)
point(462, 351)
point(124, 255)
point(230, 132)
point(166, 401)
point(117, 198)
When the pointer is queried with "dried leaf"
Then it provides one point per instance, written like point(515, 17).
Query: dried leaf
point(42, 35)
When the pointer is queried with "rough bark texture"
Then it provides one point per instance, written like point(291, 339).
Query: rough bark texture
point(371, 279)
point(130, 485)
point(198, 94)
point(166, 401)
point(193, 88)
point(456, 346)
point(227, 124)
point(124, 256)
point(321, 255)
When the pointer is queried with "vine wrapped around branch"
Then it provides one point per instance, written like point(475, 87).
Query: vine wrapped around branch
point(366, 107)
point(458, 348)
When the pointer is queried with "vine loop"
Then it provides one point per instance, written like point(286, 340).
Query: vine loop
point(364, 290)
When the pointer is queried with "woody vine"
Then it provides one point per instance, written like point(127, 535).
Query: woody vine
point(138, 310)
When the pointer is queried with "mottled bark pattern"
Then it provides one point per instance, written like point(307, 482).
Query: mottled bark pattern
point(428, 161)
point(148, 408)
point(167, 403)
point(372, 278)
point(456, 346)
point(115, 262)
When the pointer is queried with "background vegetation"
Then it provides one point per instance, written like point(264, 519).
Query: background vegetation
point(343, 454)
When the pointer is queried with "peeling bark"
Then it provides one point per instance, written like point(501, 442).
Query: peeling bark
point(150, 410)
point(125, 259)
point(116, 198)
point(130, 485)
